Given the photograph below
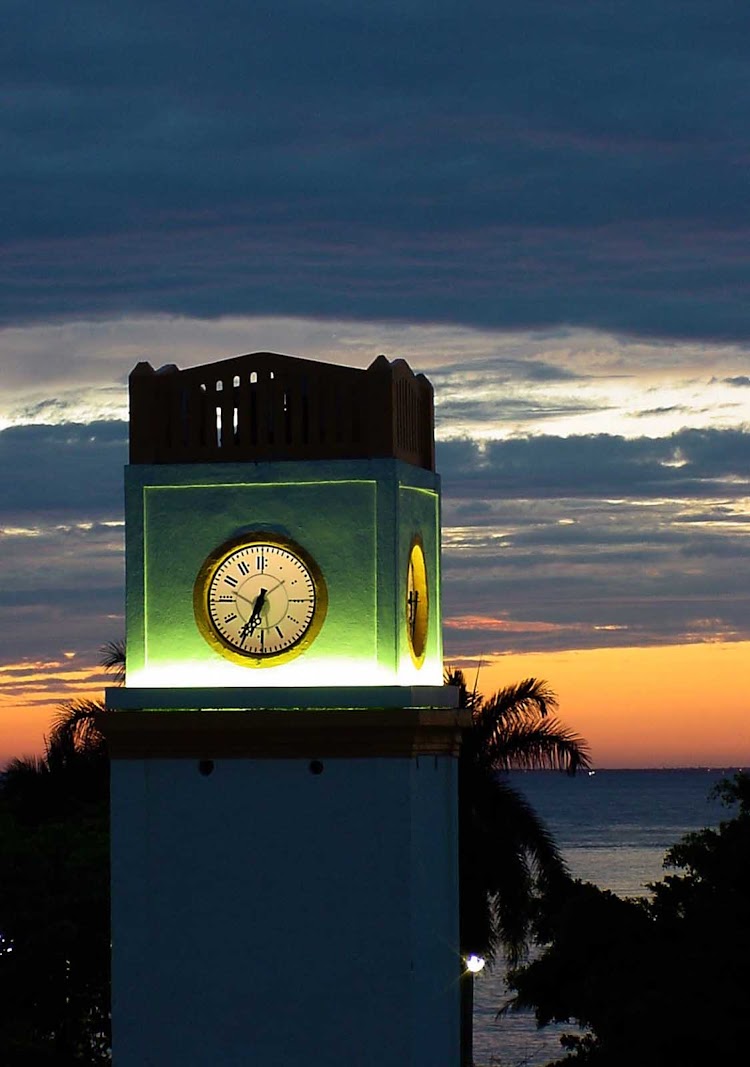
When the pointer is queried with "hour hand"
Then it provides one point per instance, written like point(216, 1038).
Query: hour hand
point(249, 628)
point(413, 602)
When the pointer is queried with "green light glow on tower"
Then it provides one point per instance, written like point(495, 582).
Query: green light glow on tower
point(357, 519)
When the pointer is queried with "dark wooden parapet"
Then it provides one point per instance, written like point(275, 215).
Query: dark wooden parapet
point(266, 406)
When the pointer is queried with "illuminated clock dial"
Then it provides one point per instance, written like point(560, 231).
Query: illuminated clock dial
point(260, 600)
point(417, 602)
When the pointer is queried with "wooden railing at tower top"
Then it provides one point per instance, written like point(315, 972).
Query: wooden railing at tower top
point(266, 406)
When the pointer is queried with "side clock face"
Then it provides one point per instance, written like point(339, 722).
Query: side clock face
point(260, 600)
point(417, 602)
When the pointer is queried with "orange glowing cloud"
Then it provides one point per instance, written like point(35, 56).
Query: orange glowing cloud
point(492, 623)
point(683, 705)
point(29, 690)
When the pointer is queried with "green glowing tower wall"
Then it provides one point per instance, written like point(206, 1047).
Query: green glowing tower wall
point(357, 518)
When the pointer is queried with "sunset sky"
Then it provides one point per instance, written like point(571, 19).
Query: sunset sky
point(542, 206)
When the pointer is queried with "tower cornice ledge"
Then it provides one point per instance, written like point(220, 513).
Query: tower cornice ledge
point(283, 733)
point(248, 698)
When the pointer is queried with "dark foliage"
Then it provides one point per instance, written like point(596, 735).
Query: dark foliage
point(660, 983)
point(112, 658)
point(508, 859)
point(54, 899)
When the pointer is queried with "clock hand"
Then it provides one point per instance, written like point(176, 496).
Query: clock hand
point(254, 619)
point(248, 628)
point(248, 600)
point(413, 602)
point(274, 587)
point(240, 596)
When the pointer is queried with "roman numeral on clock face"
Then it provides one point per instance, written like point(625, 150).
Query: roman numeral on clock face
point(261, 600)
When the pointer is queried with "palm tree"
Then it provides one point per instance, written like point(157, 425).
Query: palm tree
point(75, 758)
point(54, 892)
point(75, 755)
point(508, 861)
point(73, 770)
point(508, 858)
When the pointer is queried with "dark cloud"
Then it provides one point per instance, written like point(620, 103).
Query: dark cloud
point(61, 539)
point(62, 582)
point(691, 462)
point(651, 588)
point(495, 370)
point(70, 621)
point(647, 413)
point(494, 389)
point(499, 409)
point(71, 469)
point(523, 164)
point(584, 542)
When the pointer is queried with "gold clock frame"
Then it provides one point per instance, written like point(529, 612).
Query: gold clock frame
point(206, 574)
point(416, 631)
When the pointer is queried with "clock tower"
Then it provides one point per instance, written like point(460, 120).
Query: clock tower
point(284, 847)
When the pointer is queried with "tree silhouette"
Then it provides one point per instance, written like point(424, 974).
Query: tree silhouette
point(54, 895)
point(661, 982)
point(509, 863)
point(508, 859)
point(54, 898)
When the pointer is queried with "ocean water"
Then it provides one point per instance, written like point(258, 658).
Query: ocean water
point(613, 828)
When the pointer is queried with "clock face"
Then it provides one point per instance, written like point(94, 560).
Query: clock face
point(417, 602)
point(260, 600)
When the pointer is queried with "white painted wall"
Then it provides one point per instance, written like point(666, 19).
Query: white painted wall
point(266, 915)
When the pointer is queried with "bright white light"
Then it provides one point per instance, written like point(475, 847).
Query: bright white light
point(475, 964)
point(300, 672)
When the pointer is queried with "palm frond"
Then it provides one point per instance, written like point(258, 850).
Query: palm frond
point(531, 696)
point(508, 858)
point(112, 658)
point(466, 698)
point(76, 727)
point(21, 768)
point(512, 731)
point(544, 744)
